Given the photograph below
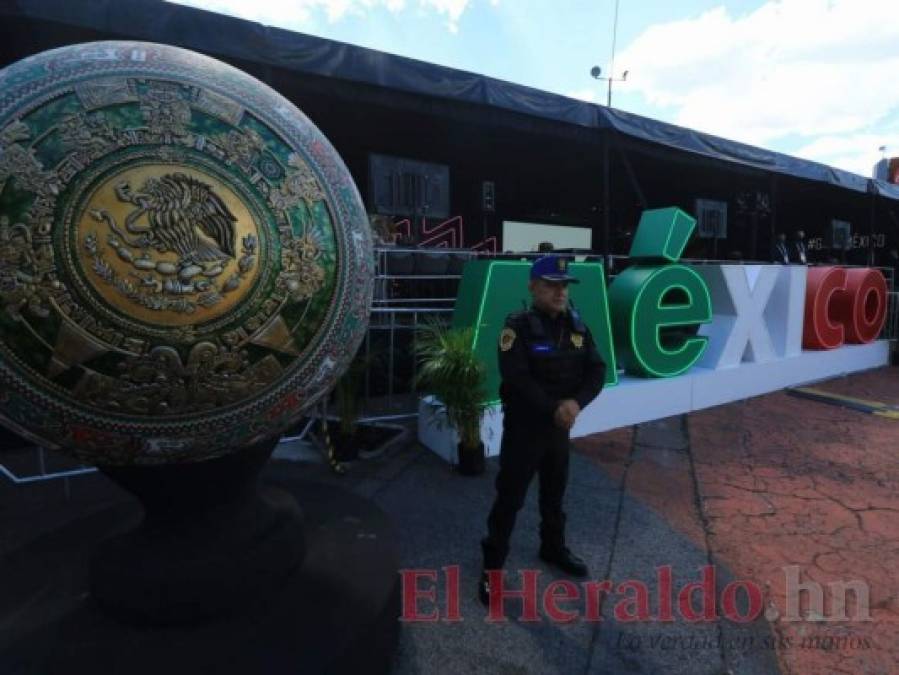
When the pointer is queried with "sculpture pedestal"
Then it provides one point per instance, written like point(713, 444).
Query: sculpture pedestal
point(336, 612)
point(210, 542)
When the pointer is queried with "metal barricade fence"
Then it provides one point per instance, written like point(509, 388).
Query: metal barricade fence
point(412, 287)
point(406, 297)
point(42, 474)
point(891, 325)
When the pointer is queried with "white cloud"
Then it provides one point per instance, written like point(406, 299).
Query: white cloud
point(296, 14)
point(790, 68)
point(853, 152)
point(453, 10)
point(588, 95)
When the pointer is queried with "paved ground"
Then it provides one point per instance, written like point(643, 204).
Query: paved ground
point(750, 490)
point(785, 482)
point(760, 489)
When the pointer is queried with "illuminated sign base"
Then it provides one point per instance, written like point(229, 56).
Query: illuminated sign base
point(635, 400)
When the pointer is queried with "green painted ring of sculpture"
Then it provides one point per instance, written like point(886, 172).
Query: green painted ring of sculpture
point(185, 262)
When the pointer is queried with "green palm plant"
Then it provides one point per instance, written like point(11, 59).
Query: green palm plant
point(450, 371)
point(348, 396)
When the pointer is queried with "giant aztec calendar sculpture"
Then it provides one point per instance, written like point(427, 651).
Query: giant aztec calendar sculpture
point(185, 261)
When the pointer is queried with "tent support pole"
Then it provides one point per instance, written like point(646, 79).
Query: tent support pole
point(632, 176)
point(772, 219)
point(606, 201)
point(871, 225)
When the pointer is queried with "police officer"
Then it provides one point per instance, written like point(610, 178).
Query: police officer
point(550, 370)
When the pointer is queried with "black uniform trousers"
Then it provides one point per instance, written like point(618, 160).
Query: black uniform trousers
point(526, 449)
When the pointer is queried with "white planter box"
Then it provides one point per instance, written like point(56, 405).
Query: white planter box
point(634, 400)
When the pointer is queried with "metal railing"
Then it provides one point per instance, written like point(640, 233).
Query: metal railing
point(42, 473)
point(391, 325)
point(402, 305)
point(891, 325)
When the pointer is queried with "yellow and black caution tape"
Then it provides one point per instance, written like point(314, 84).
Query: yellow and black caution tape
point(336, 466)
point(862, 405)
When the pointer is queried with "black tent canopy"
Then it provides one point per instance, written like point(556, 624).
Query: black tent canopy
point(551, 159)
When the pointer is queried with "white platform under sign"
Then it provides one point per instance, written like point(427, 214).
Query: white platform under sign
point(634, 400)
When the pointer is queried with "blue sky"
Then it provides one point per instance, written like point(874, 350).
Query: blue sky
point(813, 78)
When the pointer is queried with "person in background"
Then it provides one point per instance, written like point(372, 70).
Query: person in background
point(780, 252)
point(545, 247)
point(798, 251)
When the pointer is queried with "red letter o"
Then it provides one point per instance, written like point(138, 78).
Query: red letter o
point(862, 306)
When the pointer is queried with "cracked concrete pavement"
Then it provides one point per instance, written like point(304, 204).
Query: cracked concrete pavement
point(784, 483)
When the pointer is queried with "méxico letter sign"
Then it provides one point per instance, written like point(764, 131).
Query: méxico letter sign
point(659, 318)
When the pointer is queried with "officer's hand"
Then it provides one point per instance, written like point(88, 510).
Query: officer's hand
point(566, 413)
point(560, 418)
point(573, 410)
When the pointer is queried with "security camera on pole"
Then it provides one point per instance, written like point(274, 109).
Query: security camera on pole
point(596, 72)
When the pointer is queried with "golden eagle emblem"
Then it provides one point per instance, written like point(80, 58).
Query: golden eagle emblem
point(184, 216)
point(577, 340)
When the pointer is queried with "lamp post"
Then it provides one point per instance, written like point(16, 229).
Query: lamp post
point(596, 72)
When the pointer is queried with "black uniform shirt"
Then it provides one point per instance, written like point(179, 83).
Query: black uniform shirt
point(543, 361)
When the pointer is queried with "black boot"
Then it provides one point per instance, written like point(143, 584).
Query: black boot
point(565, 560)
point(484, 589)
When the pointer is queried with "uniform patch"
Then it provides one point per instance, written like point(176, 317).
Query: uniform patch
point(577, 340)
point(506, 339)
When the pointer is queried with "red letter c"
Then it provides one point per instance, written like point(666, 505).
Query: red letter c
point(821, 329)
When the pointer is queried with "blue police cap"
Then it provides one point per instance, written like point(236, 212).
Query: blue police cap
point(552, 268)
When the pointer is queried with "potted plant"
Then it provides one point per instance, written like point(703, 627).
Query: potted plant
point(348, 405)
point(450, 371)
